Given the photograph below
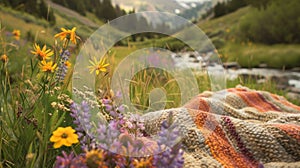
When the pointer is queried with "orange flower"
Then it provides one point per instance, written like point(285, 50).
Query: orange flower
point(68, 34)
point(143, 162)
point(68, 64)
point(42, 54)
point(4, 58)
point(17, 34)
point(96, 158)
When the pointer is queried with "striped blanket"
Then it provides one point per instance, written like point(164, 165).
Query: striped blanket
point(237, 127)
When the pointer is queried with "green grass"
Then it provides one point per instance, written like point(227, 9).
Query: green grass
point(40, 29)
point(225, 34)
point(251, 55)
point(146, 80)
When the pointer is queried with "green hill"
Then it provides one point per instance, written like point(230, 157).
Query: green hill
point(225, 33)
point(39, 29)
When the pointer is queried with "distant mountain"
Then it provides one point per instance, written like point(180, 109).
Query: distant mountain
point(189, 9)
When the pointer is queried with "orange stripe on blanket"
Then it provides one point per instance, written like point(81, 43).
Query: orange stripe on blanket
point(219, 145)
point(254, 99)
point(198, 103)
point(291, 129)
point(285, 102)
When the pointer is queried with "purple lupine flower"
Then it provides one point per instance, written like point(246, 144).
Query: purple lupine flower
point(169, 154)
point(81, 116)
point(62, 67)
point(78, 162)
point(86, 116)
point(168, 135)
point(67, 161)
point(170, 158)
point(64, 161)
point(107, 136)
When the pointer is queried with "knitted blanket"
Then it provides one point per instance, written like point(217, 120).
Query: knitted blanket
point(237, 127)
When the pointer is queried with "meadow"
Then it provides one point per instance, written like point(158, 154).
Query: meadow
point(39, 118)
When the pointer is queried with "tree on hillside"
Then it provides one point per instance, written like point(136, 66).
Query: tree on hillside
point(278, 22)
point(260, 4)
point(103, 9)
point(106, 11)
point(223, 8)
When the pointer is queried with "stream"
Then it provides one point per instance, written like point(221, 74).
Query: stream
point(287, 80)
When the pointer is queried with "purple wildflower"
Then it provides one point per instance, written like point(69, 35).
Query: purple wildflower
point(170, 158)
point(81, 115)
point(169, 133)
point(169, 152)
point(62, 67)
point(107, 136)
point(135, 125)
point(70, 160)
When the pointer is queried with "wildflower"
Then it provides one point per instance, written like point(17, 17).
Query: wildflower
point(63, 66)
point(4, 58)
point(64, 136)
point(47, 66)
point(81, 115)
point(17, 34)
point(42, 54)
point(67, 161)
point(144, 162)
point(170, 153)
point(169, 158)
point(98, 66)
point(68, 34)
point(68, 64)
point(95, 158)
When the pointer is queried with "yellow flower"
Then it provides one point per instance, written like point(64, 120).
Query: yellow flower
point(47, 66)
point(17, 34)
point(98, 66)
point(42, 54)
point(4, 58)
point(68, 64)
point(68, 34)
point(141, 163)
point(64, 136)
point(95, 158)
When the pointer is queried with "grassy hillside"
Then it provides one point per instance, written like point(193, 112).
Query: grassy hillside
point(41, 30)
point(37, 30)
point(226, 35)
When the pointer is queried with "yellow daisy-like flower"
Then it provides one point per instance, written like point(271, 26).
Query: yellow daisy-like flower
point(42, 54)
point(98, 66)
point(4, 58)
point(142, 163)
point(95, 158)
point(64, 136)
point(17, 34)
point(68, 34)
point(68, 64)
point(47, 66)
